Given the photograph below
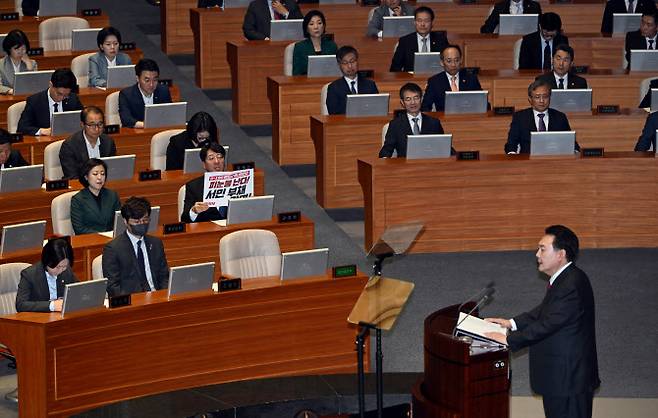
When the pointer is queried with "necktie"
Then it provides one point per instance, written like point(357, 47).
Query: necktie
point(353, 87)
point(542, 125)
point(547, 56)
point(630, 6)
point(416, 129)
point(650, 44)
point(142, 267)
point(56, 107)
point(424, 49)
point(561, 84)
point(453, 83)
point(519, 8)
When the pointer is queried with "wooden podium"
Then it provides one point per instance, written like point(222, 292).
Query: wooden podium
point(458, 384)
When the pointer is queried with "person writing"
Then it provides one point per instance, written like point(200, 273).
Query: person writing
point(314, 26)
point(195, 209)
point(147, 90)
point(92, 208)
point(108, 40)
point(388, 8)
point(15, 60)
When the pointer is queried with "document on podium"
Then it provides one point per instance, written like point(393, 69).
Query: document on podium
point(475, 328)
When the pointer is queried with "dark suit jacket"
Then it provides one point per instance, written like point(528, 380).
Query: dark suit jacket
point(176, 150)
point(403, 58)
point(121, 268)
point(502, 8)
point(30, 7)
point(131, 103)
point(399, 128)
point(438, 84)
point(257, 20)
point(575, 82)
point(36, 114)
point(15, 159)
point(73, 153)
point(523, 122)
point(648, 137)
point(87, 217)
point(193, 194)
point(33, 294)
point(562, 339)
point(619, 6)
point(635, 40)
point(646, 101)
point(210, 3)
point(339, 89)
point(531, 54)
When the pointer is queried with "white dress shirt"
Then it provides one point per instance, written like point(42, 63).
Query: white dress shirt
point(634, 5)
point(349, 83)
point(420, 121)
point(52, 289)
point(51, 109)
point(535, 113)
point(542, 45)
point(516, 8)
point(565, 80)
point(419, 39)
point(147, 265)
point(111, 63)
point(95, 151)
point(148, 100)
point(456, 79)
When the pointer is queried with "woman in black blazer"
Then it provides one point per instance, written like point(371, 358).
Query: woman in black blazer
point(42, 285)
point(92, 208)
point(201, 130)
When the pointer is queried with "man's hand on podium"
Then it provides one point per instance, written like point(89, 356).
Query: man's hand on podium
point(505, 323)
point(497, 336)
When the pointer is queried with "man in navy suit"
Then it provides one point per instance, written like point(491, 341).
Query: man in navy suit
point(509, 7)
point(648, 137)
point(537, 48)
point(147, 90)
point(624, 6)
point(8, 157)
point(646, 101)
point(409, 122)
point(643, 38)
point(561, 77)
point(39, 108)
point(256, 24)
point(538, 118)
point(560, 331)
point(350, 83)
point(422, 40)
point(452, 79)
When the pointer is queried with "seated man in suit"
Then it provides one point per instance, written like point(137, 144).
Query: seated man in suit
point(194, 208)
point(561, 77)
point(30, 7)
point(147, 90)
point(349, 83)
point(388, 8)
point(88, 143)
point(643, 38)
point(409, 122)
point(210, 3)
point(8, 157)
point(422, 40)
point(537, 48)
point(509, 7)
point(452, 79)
point(135, 262)
point(646, 101)
point(624, 6)
point(260, 13)
point(647, 140)
point(58, 97)
point(537, 118)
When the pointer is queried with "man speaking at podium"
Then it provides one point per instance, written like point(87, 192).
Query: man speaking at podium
point(560, 331)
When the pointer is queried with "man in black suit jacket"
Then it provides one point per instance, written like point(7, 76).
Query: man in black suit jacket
point(646, 100)
point(194, 208)
point(74, 152)
point(133, 261)
point(350, 83)
point(147, 90)
point(537, 48)
point(619, 6)
point(423, 40)
point(560, 331)
point(210, 3)
point(561, 77)
point(532, 119)
point(409, 122)
point(8, 157)
point(439, 84)
point(648, 137)
point(643, 38)
point(30, 7)
point(507, 7)
point(35, 119)
point(256, 24)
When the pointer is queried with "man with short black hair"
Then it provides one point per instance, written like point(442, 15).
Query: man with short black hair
point(624, 6)
point(9, 157)
point(643, 38)
point(195, 209)
point(561, 76)
point(350, 83)
point(147, 90)
point(537, 48)
point(509, 7)
point(422, 40)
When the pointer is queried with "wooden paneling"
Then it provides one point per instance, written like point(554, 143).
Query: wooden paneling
point(175, 33)
point(30, 25)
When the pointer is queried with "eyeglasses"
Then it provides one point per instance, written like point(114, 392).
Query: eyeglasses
point(98, 125)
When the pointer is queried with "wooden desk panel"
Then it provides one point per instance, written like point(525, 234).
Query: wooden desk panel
point(505, 202)
point(176, 36)
point(340, 141)
point(62, 59)
point(216, 338)
point(30, 25)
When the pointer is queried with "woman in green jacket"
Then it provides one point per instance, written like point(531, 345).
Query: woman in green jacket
point(315, 43)
point(92, 208)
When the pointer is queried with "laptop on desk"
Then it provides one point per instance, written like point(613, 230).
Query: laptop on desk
point(84, 295)
point(298, 264)
point(323, 66)
point(644, 60)
point(552, 143)
point(517, 24)
point(286, 30)
point(58, 8)
point(427, 63)
point(458, 102)
point(18, 179)
point(64, 123)
point(165, 114)
point(120, 167)
point(572, 100)
point(193, 164)
point(654, 100)
point(429, 146)
point(398, 26)
point(191, 278)
point(250, 209)
point(30, 82)
point(625, 22)
point(367, 105)
point(84, 39)
point(22, 236)
point(232, 4)
point(120, 76)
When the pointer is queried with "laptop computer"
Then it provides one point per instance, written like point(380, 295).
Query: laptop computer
point(297, 264)
point(517, 24)
point(428, 146)
point(552, 143)
point(427, 63)
point(120, 167)
point(466, 102)
point(232, 4)
point(165, 114)
point(2, 39)
point(323, 66)
point(286, 30)
point(120, 76)
point(23, 236)
point(84, 39)
point(625, 22)
point(120, 224)
point(572, 100)
point(29, 82)
point(79, 296)
point(193, 164)
point(397, 26)
point(250, 209)
point(191, 278)
point(367, 105)
point(644, 60)
point(654, 100)
point(18, 179)
point(65, 122)
point(58, 8)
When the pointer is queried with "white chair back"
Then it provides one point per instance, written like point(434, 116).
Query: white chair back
point(517, 52)
point(51, 165)
point(644, 88)
point(287, 59)
point(10, 275)
point(181, 200)
point(159, 144)
point(323, 100)
point(14, 115)
point(55, 32)
point(250, 253)
point(60, 212)
point(80, 67)
point(112, 109)
point(371, 13)
point(97, 268)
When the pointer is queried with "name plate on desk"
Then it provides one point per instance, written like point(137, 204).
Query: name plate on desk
point(503, 110)
point(8, 16)
point(16, 138)
point(245, 165)
point(366, 73)
point(468, 155)
point(111, 129)
point(91, 12)
point(592, 152)
point(35, 52)
point(150, 175)
point(226, 285)
point(285, 217)
point(127, 46)
point(580, 69)
point(57, 185)
point(607, 109)
point(119, 301)
point(176, 228)
point(472, 70)
point(343, 271)
point(166, 82)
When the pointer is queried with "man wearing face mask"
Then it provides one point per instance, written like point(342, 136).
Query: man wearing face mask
point(201, 130)
point(194, 208)
point(135, 262)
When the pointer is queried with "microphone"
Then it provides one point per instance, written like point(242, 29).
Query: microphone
point(477, 295)
point(488, 291)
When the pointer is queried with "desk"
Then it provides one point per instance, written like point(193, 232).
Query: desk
point(30, 25)
point(52, 60)
point(267, 329)
point(504, 202)
point(340, 141)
